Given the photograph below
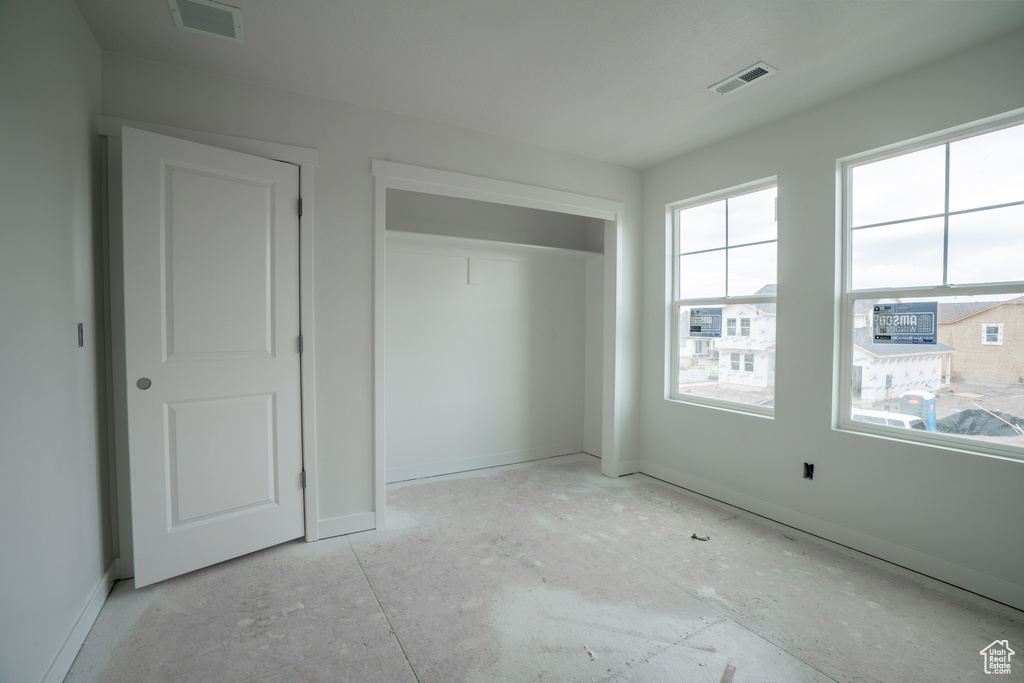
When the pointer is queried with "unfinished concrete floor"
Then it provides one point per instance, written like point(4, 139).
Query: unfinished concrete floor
point(549, 571)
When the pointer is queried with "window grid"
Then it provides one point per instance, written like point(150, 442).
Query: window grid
point(679, 302)
point(945, 215)
point(850, 295)
point(992, 334)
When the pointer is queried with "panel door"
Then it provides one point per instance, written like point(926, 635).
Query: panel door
point(211, 279)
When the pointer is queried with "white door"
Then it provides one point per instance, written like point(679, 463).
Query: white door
point(211, 279)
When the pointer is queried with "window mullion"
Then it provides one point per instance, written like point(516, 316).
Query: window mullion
point(727, 248)
point(945, 226)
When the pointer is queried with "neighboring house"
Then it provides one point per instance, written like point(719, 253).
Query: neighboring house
point(746, 351)
point(745, 354)
point(883, 371)
point(988, 338)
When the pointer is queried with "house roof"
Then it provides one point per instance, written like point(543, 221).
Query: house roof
point(955, 312)
point(862, 339)
point(767, 309)
point(948, 312)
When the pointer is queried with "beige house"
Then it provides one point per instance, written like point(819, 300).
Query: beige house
point(988, 338)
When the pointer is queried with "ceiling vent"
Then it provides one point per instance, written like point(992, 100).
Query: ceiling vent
point(743, 78)
point(208, 17)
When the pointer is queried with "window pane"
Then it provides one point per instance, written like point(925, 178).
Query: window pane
point(702, 275)
point(902, 255)
point(902, 187)
point(707, 368)
point(730, 326)
point(962, 376)
point(752, 217)
point(987, 169)
point(745, 327)
point(751, 268)
point(987, 246)
point(702, 227)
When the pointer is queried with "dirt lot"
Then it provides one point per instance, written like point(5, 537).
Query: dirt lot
point(976, 397)
point(729, 392)
point(1007, 399)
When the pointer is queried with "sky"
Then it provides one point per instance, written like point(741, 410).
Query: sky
point(984, 246)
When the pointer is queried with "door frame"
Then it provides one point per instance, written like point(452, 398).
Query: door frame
point(391, 175)
point(307, 161)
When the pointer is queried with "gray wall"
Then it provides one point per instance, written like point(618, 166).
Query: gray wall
point(348, 139)
point(440, 215)
point(54, 515)
point(946, 513)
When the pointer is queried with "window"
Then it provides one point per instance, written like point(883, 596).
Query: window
point(992, 334)
point(724, 293)
point(932, 244)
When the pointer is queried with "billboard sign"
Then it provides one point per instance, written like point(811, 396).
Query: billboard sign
point(913, 323)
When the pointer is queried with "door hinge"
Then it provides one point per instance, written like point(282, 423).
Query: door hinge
point(300, 207)
point(302, 478)
point(300, 344)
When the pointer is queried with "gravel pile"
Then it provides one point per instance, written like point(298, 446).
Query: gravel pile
point(978, 423)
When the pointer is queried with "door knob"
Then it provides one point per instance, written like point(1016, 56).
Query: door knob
point(143, 383)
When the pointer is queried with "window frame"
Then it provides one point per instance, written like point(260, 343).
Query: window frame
point(999, 334)
point(843, 374)
point(675, 304)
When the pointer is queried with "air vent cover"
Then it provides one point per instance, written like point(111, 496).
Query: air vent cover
point(743, 78)
point(206, 16)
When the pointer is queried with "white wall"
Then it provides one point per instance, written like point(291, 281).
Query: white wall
point(348, 139)
point(485, 353)
point(54, 515)
point(593, 354)
point(945, 513)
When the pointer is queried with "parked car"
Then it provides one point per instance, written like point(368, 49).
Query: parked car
point(880, 417)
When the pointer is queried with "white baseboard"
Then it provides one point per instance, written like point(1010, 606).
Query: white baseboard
point(76, 637)
point(347, 524)
point(477, 462)
point(627, 467)
point(969, 579)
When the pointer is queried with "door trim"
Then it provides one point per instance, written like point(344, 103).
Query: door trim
point(392, 175)
point(307, 160)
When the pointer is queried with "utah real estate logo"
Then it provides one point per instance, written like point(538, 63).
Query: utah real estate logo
point(997, 657)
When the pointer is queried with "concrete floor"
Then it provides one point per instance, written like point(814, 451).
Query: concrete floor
point(549, 571)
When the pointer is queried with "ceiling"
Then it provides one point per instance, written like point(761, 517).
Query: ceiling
point(622, 81)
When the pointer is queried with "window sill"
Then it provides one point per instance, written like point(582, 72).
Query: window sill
point(767, 412)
